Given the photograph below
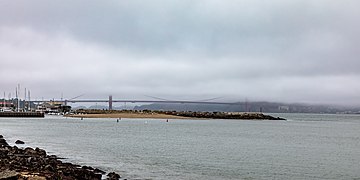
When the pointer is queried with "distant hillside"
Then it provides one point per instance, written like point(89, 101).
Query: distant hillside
point(268, 107)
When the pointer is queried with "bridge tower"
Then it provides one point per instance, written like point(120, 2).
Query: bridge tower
point(110, 102)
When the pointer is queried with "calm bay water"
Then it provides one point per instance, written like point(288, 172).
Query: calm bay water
point(304, 147)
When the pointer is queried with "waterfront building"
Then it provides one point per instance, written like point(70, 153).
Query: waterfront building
point(53, 107)
point(6, 106)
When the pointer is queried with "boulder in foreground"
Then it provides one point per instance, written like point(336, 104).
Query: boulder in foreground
point(29, 163)
point(19, 142)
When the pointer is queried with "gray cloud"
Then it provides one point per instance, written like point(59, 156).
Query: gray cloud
point(278, 50)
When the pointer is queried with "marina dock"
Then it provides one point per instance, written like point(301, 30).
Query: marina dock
point(22, 114)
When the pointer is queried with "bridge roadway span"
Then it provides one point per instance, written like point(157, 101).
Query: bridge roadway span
point(138, 101)
point(111, 101)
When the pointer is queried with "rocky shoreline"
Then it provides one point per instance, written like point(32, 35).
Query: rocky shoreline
point(224, 115)
point(29, 163)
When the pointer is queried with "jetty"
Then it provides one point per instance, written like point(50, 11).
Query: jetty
point(22, 114)
point(225, 115)
point(153, 114)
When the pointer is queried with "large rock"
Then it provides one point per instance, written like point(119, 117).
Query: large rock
point(19, 142)
point(113, 176)
point(40, 152)
point(30, 151)
point(3, 142)
point(9, 175)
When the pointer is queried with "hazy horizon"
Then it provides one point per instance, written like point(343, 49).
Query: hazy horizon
point(299, 51)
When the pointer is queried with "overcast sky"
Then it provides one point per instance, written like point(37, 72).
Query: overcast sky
point(275, 50)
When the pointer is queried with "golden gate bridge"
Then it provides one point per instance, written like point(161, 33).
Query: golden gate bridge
point(110, 101)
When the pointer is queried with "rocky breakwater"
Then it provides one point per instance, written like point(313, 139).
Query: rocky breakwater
point(224, 115)
point(29, 163)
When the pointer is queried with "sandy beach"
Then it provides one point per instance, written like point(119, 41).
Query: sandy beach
point(128, 115)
